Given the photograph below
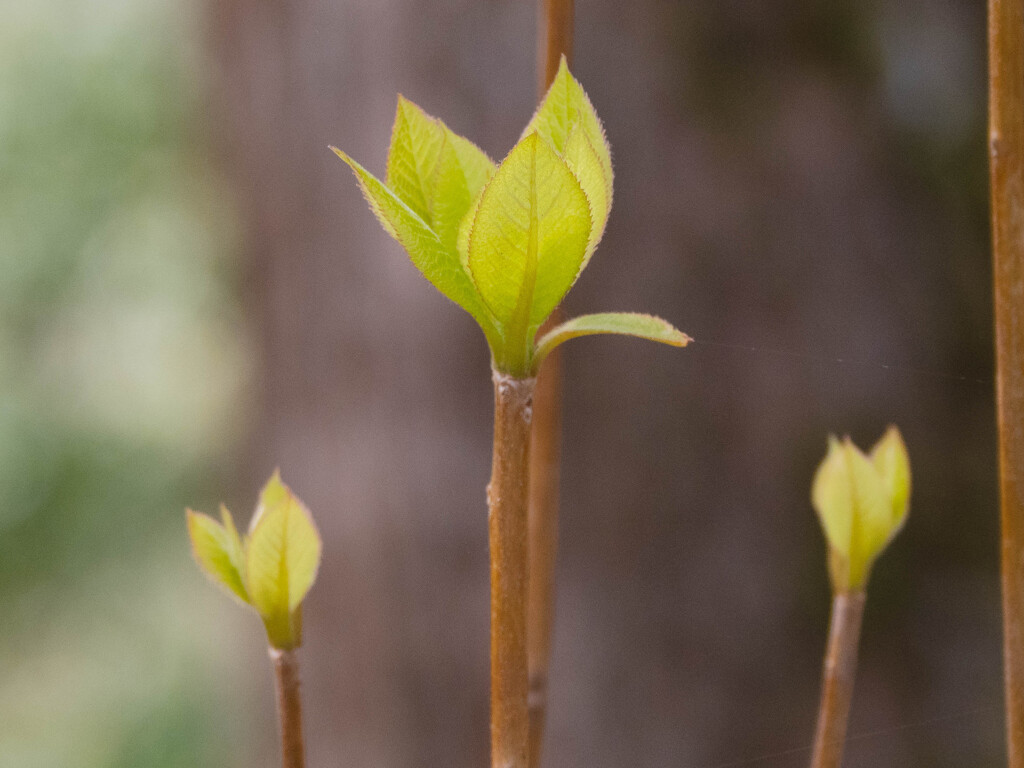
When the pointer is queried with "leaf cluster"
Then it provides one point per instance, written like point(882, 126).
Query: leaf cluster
point(862, 501)
point(506, 242)
point(272, 567)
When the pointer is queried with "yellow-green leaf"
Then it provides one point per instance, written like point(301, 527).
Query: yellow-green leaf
point(872, 522)
point(832, 498)
point(214, 547)
point(440, 265)
point(586, 167)
point(890, 458)
point(565, 105)
point(625, 323)
point(416, 140)
point(282, 558)
point(862, 505)
point(527, 243)
point(461, 173)
point(235, 547)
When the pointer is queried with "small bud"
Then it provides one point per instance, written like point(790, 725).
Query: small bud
point(272, 568)
point(862, 503)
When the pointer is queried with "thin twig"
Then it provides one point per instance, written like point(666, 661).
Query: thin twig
point(838, 675)
point(507, 497)
point(554, 39)
point(289, 707)
point(1006, 134)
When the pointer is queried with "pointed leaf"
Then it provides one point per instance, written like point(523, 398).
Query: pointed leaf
point(462, 170)
point(437, 263)
point(416, 140)
point(832, 498)
point(527, 243)
point(282, 558)
point(890, 458)
point(565, 105)
point(212, 547)
point(476, 165)
point(872, 524)
point(235, 548)
point(625, 323)
point(586, 167)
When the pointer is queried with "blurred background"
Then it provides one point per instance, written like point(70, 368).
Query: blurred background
point(193, 293)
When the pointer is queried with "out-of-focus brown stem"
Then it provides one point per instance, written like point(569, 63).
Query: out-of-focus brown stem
point(554, 39)
point(289, 707)
point(838, 675)
point(1006, 137)
point(507, 497)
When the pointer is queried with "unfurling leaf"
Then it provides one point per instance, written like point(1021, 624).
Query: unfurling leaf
point(439, 265)
point(527, 243)
point(862, 504)
point(624, 323)
point(214, 548)
point(565, 106)
point(273, 567)
point(281, 560)
point(504, 244)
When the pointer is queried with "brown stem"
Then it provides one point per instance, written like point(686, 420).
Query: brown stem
point(289, 707)
point(554, 39)
point(1006, 136)
point(507, 497)
point(543, 538)
point(837, 679)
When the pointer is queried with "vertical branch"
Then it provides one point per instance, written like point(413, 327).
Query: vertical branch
point(1006, 134)
point(507, 497)
point(289, 707)
point(838, 675)
point(554, 38)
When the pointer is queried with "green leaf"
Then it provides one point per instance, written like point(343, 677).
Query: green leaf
point(282, 558)
point(461, 173)
point(872, 522)
point(586, 167)
point(416, 140)
point(625, 323)
point(526, 244)
point(214, 548)
point(235, 548)
point(832, 498)
point(440, 265)
point(889, 455)
point(856, 502)
point(566, 105)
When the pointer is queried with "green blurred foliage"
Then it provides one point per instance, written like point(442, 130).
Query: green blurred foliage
point(122, 360)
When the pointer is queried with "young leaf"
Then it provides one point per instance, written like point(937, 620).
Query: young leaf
point(832, 499)
point(625, 323)
point(890, 458)
point(438, 264)
point(565, 105)
point(527, 243)
point(872, 523)
point(462, 170)
point(213, 546)
point(586, 167)
point(416, 141)
point(282, 554)
point(235, 547)
point(857, 505)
